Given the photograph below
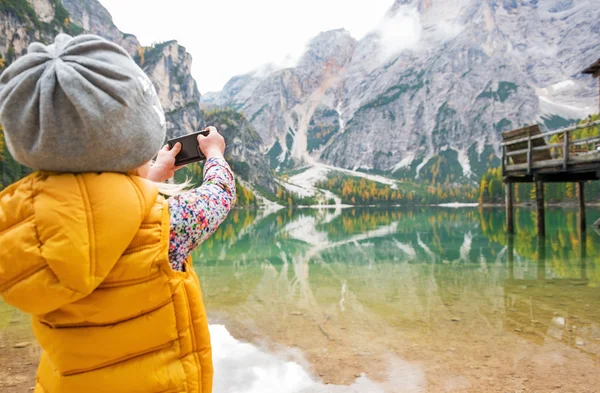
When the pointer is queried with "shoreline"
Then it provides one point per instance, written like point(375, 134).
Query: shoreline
point(455, 205)
point(549, 204)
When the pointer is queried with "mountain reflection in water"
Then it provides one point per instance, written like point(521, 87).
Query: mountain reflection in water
point(443, 290)
point(401, 300)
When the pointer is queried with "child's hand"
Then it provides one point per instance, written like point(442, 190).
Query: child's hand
point(164, 167)
point(212, 145)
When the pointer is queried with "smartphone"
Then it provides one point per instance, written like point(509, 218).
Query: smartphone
point(190, 150)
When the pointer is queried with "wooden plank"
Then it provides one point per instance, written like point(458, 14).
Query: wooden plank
point(529, 156)
point(585, 141)
point(579, 150)
point(582, 218)
point(567, 177)
point(536, 148)
point(573, 142)
point(549, 146)
point(566, 151)
point(518, 179)
point(531, 141)
point(533, 129)
point(593, 157)
point(516, 152)
point(551, 133)
point(539, 199)
point(550, 176)
point(524, 139)
point(504, 160)
point(509, 208)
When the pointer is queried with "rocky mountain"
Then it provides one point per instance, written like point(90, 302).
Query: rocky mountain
point(94, 18)
point(244, 148)
point(428, 92)
point(167, 64)
point(25, 21)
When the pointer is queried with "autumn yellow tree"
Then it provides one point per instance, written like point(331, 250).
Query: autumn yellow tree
point(570, 190)
point(491, 189)
point(141, 53)
point(533, 192)
point(482, 190)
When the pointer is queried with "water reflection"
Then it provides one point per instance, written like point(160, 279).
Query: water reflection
point(243, 367)
point(554, 307)
point(430, 299)
point(432, 286)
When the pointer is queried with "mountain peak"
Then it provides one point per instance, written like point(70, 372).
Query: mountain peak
point(334, 33)
point(418, 4)
point(95, 18)
point(329, 46)
point(428, 94)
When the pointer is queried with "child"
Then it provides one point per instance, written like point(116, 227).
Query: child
point(88, 246)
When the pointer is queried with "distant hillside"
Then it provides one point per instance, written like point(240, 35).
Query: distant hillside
point(432, 105)
point(167, 64)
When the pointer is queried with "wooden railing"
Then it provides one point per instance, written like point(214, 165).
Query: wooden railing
point(566, 144)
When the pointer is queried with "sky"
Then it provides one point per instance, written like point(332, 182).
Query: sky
point(232, 37)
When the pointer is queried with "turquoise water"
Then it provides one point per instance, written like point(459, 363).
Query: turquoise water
point(403, 300)
point(427, 299)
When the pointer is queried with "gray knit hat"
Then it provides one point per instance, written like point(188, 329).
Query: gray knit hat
point(80, 105)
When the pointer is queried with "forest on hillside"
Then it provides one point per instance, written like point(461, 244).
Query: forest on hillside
point(360, 191)
point(491, 189)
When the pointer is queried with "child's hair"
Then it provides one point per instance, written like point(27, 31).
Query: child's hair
point(168, 189)
point(173, 189)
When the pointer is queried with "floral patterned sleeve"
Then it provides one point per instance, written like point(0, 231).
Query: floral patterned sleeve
point(196, 214)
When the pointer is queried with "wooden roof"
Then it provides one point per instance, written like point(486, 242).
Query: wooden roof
point(521, 132)
point(533, 130)
point(594, 69)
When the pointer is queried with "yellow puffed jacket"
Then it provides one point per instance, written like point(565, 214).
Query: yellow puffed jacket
point(87, 256)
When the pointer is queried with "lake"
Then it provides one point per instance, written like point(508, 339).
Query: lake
point(395, 300)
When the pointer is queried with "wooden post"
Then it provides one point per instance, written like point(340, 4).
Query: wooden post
point(582, 217)
point(566, 150)
point(529, 155)
point(539, 198)
point(511, 255)
point(509, 208)
point(541, 262)
point(583, 255)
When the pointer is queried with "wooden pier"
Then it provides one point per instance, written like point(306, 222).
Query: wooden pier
point(529, 157)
